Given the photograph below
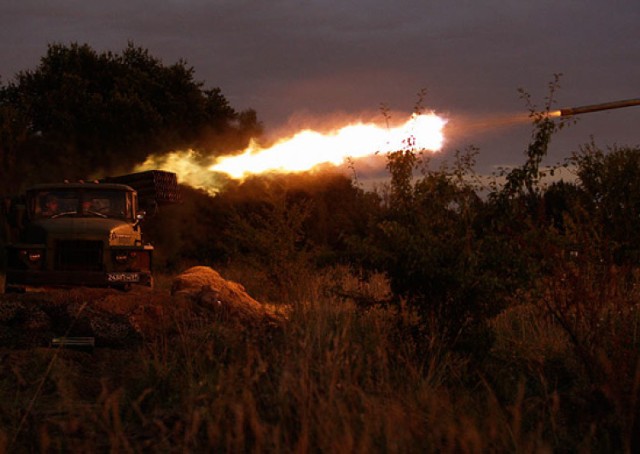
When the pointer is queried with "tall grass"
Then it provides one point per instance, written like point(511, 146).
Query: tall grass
point(335, 378)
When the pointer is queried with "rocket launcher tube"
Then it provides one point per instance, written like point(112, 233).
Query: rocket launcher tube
point(597, 107)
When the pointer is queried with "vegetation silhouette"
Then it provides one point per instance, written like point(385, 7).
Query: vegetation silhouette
point(84, 114)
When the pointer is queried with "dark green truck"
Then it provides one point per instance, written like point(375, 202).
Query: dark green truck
point(79, 234)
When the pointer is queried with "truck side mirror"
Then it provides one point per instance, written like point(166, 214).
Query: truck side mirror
point(140, 215)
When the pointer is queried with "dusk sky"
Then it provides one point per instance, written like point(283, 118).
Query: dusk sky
point(293, 59)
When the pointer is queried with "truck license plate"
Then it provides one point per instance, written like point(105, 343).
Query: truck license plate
point(123, 277)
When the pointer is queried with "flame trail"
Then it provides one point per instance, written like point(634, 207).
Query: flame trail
point(303, 151)
point(308, 148)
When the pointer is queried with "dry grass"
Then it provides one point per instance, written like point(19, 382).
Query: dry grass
point(337, 378)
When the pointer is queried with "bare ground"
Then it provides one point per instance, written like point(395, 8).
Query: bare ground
point(117, 319)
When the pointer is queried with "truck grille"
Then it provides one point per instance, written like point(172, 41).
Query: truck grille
point(79, 256)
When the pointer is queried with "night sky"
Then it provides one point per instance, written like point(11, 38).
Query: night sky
point(291, 60)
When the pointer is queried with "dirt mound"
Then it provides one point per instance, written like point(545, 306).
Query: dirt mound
point(125, 319)
point(205, 287)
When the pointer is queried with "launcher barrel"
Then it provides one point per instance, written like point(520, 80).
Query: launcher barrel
point(596, 107)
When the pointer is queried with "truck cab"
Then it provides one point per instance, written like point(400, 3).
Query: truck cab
point(79, 234)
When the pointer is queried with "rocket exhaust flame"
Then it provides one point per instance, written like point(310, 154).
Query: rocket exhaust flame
point(304, 151)
point(308, 149)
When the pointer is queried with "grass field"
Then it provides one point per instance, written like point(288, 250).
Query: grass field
point(335, 378)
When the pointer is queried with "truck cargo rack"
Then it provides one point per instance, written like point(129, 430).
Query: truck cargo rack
point(151, 185)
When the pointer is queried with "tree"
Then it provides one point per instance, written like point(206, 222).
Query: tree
point(85, 114)
point(429, 242)
point(610, 183)
point(522, 182)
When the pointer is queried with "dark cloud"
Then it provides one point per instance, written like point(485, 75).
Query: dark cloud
point(319, 57)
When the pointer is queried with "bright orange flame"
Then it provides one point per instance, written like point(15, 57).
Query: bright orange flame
point(308, 149)
point(555, 113)
point(302, 151)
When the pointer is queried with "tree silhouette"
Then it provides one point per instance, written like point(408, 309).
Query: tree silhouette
point(83, 114)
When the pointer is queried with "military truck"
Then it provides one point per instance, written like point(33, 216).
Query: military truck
point(84, 233)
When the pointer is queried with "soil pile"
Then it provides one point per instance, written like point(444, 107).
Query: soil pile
point(207, 289)
point(124, 319)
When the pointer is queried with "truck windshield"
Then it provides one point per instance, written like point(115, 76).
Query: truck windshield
point(85, 203)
